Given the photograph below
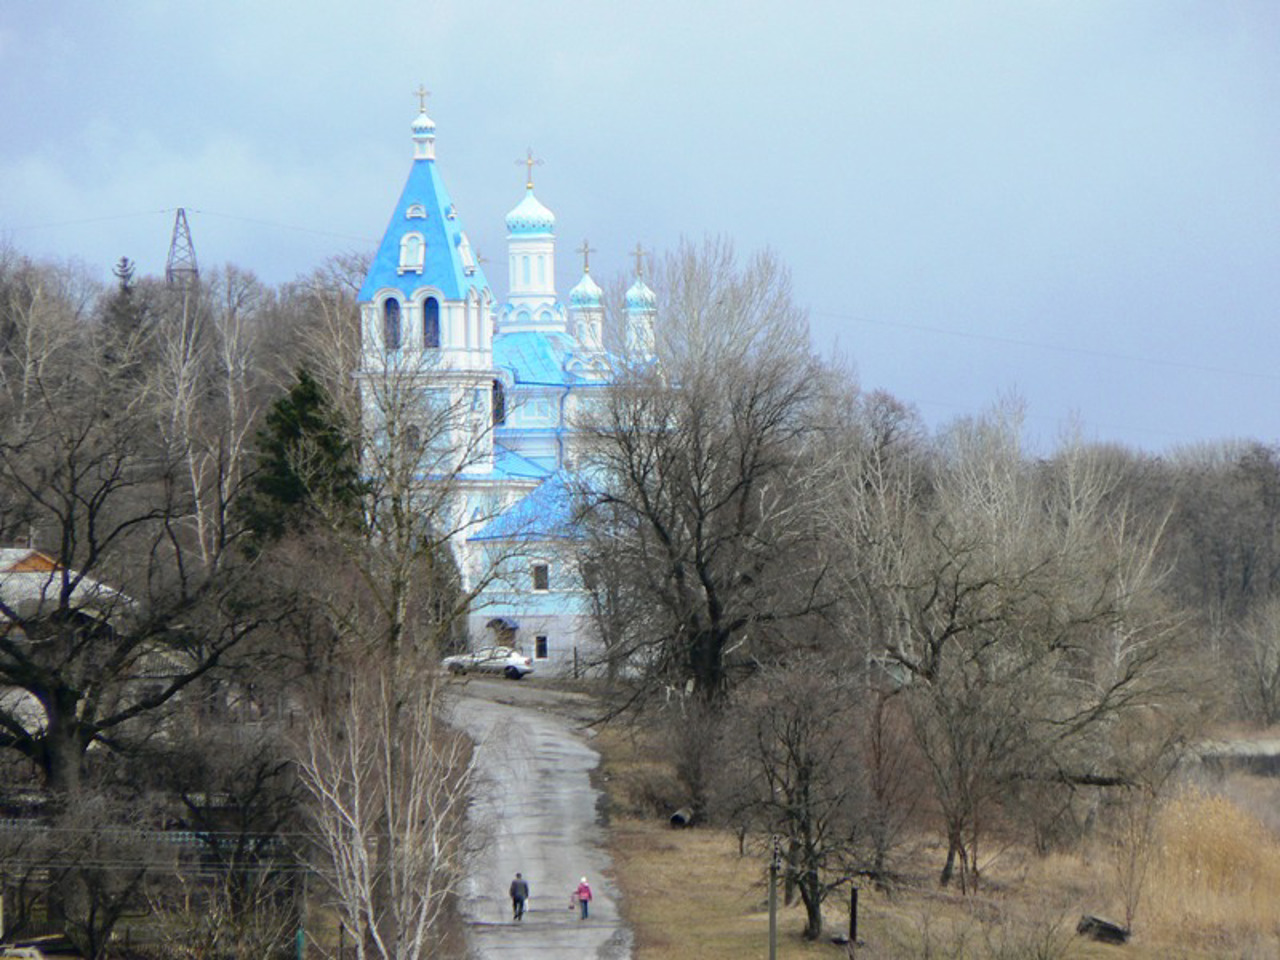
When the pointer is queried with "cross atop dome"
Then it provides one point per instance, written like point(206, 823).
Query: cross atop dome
point(422, 93)
point(638, 253)
point(530, 162)
point(586, 252)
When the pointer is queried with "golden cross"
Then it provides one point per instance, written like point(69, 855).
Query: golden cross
point(639, 255)
point(422, 93)
point(586, 252)
point(529, 163)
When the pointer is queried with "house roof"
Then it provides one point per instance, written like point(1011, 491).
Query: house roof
point(31, 585)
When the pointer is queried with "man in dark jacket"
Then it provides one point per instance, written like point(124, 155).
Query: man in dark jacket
point(519, 894)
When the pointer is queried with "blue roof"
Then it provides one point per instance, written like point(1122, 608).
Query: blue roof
point(511, 464)
point(535, 357)
point(546, 513)
point(443, 267)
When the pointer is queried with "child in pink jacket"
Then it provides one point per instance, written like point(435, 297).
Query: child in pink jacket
point(583, 896)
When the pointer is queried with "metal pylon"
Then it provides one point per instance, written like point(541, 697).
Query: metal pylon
point(181, 270)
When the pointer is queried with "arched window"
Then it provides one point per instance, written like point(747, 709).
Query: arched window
point(413, 252)
point(391, 323)
point(413, 438)
point(499, 404)
point(431, 323)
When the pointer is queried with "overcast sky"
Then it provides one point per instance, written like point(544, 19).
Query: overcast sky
point(1074, 202)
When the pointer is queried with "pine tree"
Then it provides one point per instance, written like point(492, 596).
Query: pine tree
point(305, 460)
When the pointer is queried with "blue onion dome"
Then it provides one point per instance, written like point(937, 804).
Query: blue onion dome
point(640, 297)
point(530, 216)
point(586, 294)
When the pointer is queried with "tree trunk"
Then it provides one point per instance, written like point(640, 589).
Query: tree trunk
point(811, 894)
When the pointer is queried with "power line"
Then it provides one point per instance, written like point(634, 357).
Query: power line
point(207, 213)
point(1052, 348)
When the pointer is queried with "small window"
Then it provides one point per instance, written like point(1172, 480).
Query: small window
point(524, 269)
point(413, 438)
point(499, 404)
point(541, 576)
point(391, 323)
point(413, 253)
point(416, 211)
point(431, 323)
point(540, 648)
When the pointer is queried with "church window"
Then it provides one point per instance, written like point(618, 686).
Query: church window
point(413, 253)
point(391, 323)
point(499, 404)
point(431, 323)
point(540, 647)
point(524, 268)
point(541, 577)
point(542, 269)
point(416, 211)
point(413, 438)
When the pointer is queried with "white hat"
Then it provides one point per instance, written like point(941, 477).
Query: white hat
point(584, 879)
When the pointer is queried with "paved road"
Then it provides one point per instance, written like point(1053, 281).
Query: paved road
point(536, 813)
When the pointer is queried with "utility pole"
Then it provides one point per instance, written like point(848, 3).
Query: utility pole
point(774, 856)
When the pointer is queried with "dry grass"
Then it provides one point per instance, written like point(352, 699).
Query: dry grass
point(1213, 891)
point(1216, 872)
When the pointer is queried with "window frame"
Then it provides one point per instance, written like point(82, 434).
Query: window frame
point(544, 568)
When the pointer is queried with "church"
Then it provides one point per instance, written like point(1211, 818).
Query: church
point(520, 370)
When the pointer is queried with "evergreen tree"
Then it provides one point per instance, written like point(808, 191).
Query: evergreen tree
point(306, 461)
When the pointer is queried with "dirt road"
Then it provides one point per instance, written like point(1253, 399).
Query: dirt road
point(535, 811)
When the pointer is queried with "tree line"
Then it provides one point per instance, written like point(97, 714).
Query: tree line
point(848, 623)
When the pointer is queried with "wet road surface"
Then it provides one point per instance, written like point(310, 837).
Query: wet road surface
point(535, 812)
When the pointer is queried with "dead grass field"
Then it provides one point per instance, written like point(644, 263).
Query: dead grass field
point(1213, 892)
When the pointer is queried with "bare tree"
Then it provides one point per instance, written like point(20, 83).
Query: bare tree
point(1021, 612)
point(1258, 680)
point(695, 473)
point(388, 780)
point(799, 777)
point(390, 783)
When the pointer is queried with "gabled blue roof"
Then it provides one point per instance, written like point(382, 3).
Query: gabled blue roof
point(535, 357)
point(546, 513)
point(443, 267)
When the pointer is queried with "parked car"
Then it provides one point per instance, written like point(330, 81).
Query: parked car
point(512, 664)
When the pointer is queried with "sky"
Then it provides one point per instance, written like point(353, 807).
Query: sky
point(1071, 202)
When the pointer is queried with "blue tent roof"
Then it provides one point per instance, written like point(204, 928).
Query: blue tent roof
point(546, 513)
point(442, 231)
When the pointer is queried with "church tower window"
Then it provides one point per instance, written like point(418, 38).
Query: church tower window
point(413, 253)
point(499, 404)
point(431, 323)
point(391, 323)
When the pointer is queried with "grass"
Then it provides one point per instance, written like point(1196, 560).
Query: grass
point(1213, 890)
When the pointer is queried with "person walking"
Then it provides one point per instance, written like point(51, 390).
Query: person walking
point(583, 895)
point(519, 894)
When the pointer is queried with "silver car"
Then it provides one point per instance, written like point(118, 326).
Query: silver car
point(512, 664)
